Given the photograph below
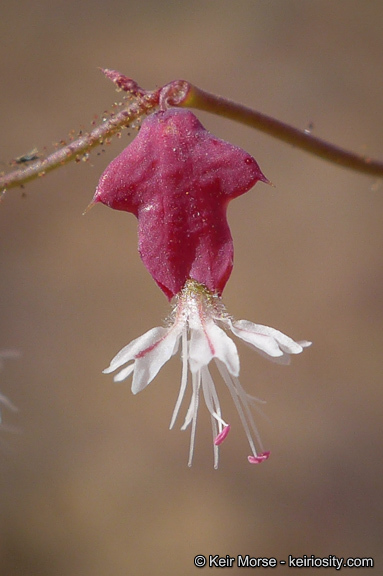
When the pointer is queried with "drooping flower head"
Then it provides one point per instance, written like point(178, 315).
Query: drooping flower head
point(199, 323)
point(178, 179)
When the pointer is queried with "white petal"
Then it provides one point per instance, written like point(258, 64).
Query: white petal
point(151, 360)
point(209, 341)
point(268, 340)
point(304, 343)
point(136, 347)
point(149, 353)
point(124, 373)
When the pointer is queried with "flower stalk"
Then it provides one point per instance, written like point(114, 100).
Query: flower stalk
point(201, 100)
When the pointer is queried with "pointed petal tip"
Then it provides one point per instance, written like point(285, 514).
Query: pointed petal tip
point(107, 370)
point(91, 204)
point(267, 181)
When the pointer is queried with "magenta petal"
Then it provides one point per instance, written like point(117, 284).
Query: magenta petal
point(178, 179)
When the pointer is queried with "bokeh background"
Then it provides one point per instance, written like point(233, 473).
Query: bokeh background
point(92, 482)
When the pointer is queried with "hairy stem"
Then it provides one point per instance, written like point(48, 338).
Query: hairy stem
point(76, 149)
point(182, 93)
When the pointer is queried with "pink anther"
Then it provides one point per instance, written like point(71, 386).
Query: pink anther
point(258, 459)
point(222, 435)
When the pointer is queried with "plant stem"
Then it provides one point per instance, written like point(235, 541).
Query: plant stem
point(182, 93)
point(76, 149)
point(201, 100)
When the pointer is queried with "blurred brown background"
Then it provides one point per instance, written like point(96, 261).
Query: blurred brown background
point(92, 482)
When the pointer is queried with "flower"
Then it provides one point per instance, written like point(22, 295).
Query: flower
point(178, 180)
point(199, 323)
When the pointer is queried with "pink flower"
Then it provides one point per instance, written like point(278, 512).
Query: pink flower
point(199, 324)
point(178, 179)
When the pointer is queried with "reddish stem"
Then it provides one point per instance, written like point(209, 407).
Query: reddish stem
point(181, 93)
point(202, 100)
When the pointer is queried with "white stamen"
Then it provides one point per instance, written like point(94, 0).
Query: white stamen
point(195, 400)
point(184, 378)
